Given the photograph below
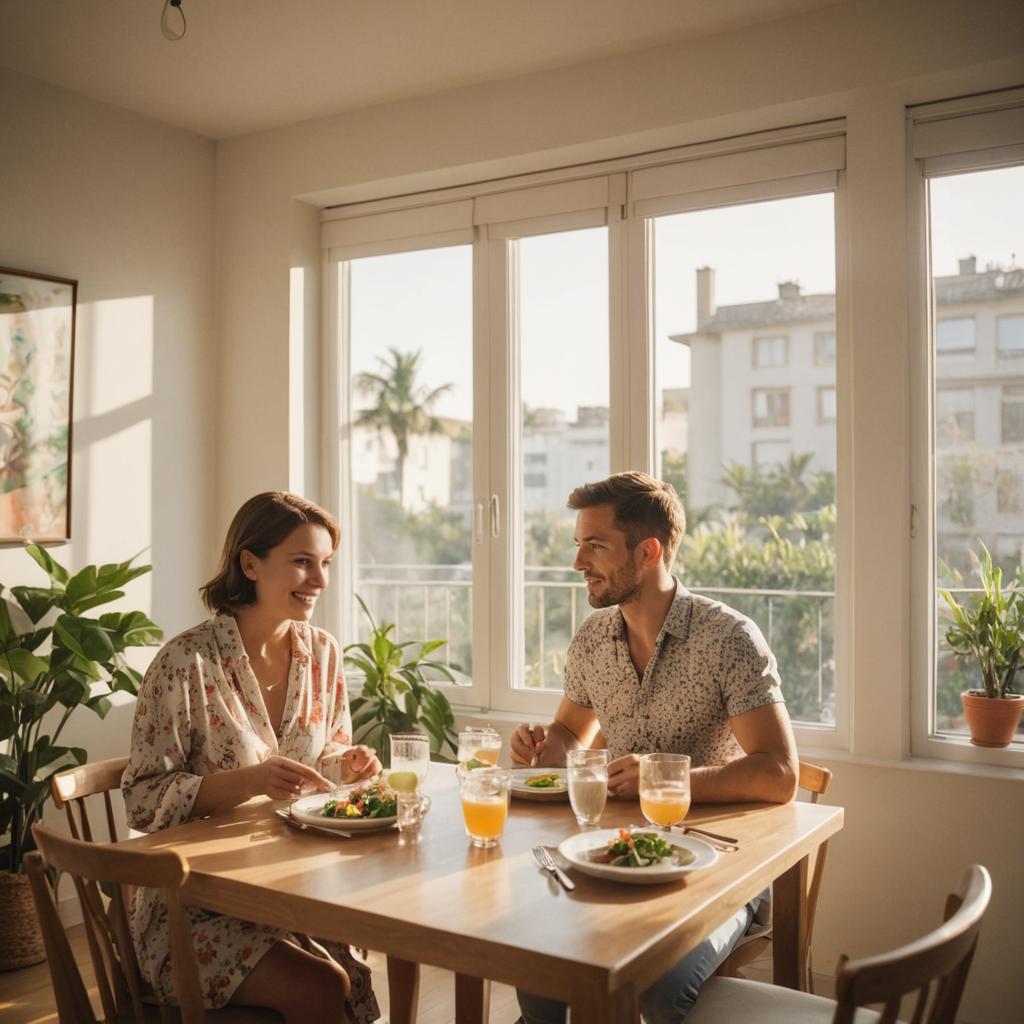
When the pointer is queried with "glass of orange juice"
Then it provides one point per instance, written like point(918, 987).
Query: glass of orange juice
point(664, 788)
point(481, 745)
point(485, 803)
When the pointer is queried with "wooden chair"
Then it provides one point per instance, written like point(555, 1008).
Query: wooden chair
point(814, 780)
point(71, 789)
point(934, 967)
point(123, 994)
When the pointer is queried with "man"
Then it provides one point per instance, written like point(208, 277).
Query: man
point(657, 668)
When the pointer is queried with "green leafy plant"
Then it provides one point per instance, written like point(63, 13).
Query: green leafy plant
point(991, 629)
point(83, 665)
point(396, 696)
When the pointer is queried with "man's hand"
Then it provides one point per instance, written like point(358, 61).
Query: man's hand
point(282, 778)
point(624, 776)
point(358, 763)
point(528, 743)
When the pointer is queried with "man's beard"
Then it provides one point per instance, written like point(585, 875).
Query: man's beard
point(621, 588)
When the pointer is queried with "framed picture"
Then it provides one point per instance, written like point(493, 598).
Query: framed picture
point(37, 364)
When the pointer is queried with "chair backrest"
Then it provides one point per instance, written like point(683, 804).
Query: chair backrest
point(814, 779)
point(935, 966)
point(89, 863)
point(70, 789)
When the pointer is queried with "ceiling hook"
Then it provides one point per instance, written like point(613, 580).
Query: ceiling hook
point(172, 27)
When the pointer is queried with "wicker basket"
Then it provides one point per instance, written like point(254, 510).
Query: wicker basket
point(21, 941)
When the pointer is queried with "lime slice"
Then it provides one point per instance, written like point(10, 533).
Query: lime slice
point(403, 782)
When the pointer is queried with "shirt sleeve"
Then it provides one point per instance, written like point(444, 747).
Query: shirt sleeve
point(339, 726)
point(575, 687)
point(159, 790)
point(750, 673)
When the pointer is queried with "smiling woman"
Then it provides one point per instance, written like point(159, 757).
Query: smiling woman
point(250, 703)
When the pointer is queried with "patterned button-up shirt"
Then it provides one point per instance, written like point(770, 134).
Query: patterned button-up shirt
point(710, 664)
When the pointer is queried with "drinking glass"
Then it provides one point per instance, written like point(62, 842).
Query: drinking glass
point(664, 788)
point(479, 744)
point(411, 808)
point(410, 752)
point(485, 795)
point(588, 784)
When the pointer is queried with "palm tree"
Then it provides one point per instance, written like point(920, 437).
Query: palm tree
point(401, 405)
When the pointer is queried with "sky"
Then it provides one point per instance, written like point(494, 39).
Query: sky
point(423, 300)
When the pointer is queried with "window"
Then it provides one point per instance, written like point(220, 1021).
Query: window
point(825, 348)
point(528, 311)
point(561, 281)
point(770, 352)
point(411, 350)
point(1010, 336)
point(718, 433)
point(826, 407)
point(978, 426)
point(954, 416)
point(771, 407)
point(954, 337)
point(1012, 414)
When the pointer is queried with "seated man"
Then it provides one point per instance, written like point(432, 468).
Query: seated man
point(657, 668)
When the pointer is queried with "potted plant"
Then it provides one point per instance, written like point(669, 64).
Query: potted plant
point(46, 672)
point(396, 696)
point(990, 631)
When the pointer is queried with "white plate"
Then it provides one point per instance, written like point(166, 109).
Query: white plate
point(575, 850)
point(308, 810)
point(520, 788)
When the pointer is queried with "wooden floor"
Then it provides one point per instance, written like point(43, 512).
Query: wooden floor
point(26, 996)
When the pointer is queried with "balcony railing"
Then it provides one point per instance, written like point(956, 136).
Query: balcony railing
point(434, 602)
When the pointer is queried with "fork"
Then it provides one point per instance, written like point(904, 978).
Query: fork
point(301, 826)
point(543, 857)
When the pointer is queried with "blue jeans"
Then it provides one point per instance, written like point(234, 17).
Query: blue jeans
point(671, 997)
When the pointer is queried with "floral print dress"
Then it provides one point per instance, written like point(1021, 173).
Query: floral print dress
point(200, 710)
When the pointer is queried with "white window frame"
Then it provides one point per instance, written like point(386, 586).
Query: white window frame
point(1008, 353)
point(755, 352)
point(625, 195)
point(954, 137)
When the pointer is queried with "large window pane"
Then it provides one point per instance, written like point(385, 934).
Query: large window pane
point(411, 352)
point(746, 424)
point(978, 399)
point(563, 356)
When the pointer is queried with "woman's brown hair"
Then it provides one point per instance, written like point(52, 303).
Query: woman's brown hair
point(262, 523)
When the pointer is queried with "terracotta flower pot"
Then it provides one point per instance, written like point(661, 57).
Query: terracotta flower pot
point(991, 721)
point(21, 941)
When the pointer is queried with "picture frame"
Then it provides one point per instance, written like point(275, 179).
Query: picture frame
point(37, 372)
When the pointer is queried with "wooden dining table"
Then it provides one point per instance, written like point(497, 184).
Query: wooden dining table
point(493, 914)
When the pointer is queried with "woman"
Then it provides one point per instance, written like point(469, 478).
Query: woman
point(252, 702)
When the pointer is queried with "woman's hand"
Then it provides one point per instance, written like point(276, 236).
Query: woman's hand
point(282, 778)
point(358, 763)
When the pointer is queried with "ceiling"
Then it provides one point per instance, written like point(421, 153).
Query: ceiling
point(249, 65)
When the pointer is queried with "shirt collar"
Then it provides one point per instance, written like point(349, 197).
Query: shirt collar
point(677, 621)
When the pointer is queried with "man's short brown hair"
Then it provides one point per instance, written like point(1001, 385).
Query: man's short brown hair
point(644, 507)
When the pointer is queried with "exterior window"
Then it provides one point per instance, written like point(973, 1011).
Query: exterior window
point(1010, 337)
point(1013, 415)
point(771, 407)
point(770, 352)
point(954, 336)
point(724, 327)
point(978, 426)
point(954, 416)
point(825, 348)
point(826, 406)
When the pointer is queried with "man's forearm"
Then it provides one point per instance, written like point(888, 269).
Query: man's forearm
point(753, 777)
point(558, 741)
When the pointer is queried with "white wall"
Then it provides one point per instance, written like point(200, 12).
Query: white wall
point(126, 206)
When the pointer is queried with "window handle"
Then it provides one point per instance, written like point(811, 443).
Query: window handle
point(495, 517)
point(479, 525)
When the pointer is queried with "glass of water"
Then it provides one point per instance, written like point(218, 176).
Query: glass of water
point(588, 784)
point(483, 745)
point(411, 808)
point(410, 752)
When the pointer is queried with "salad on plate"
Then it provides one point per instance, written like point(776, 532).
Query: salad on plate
point(640, 850)
point(377, 800)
